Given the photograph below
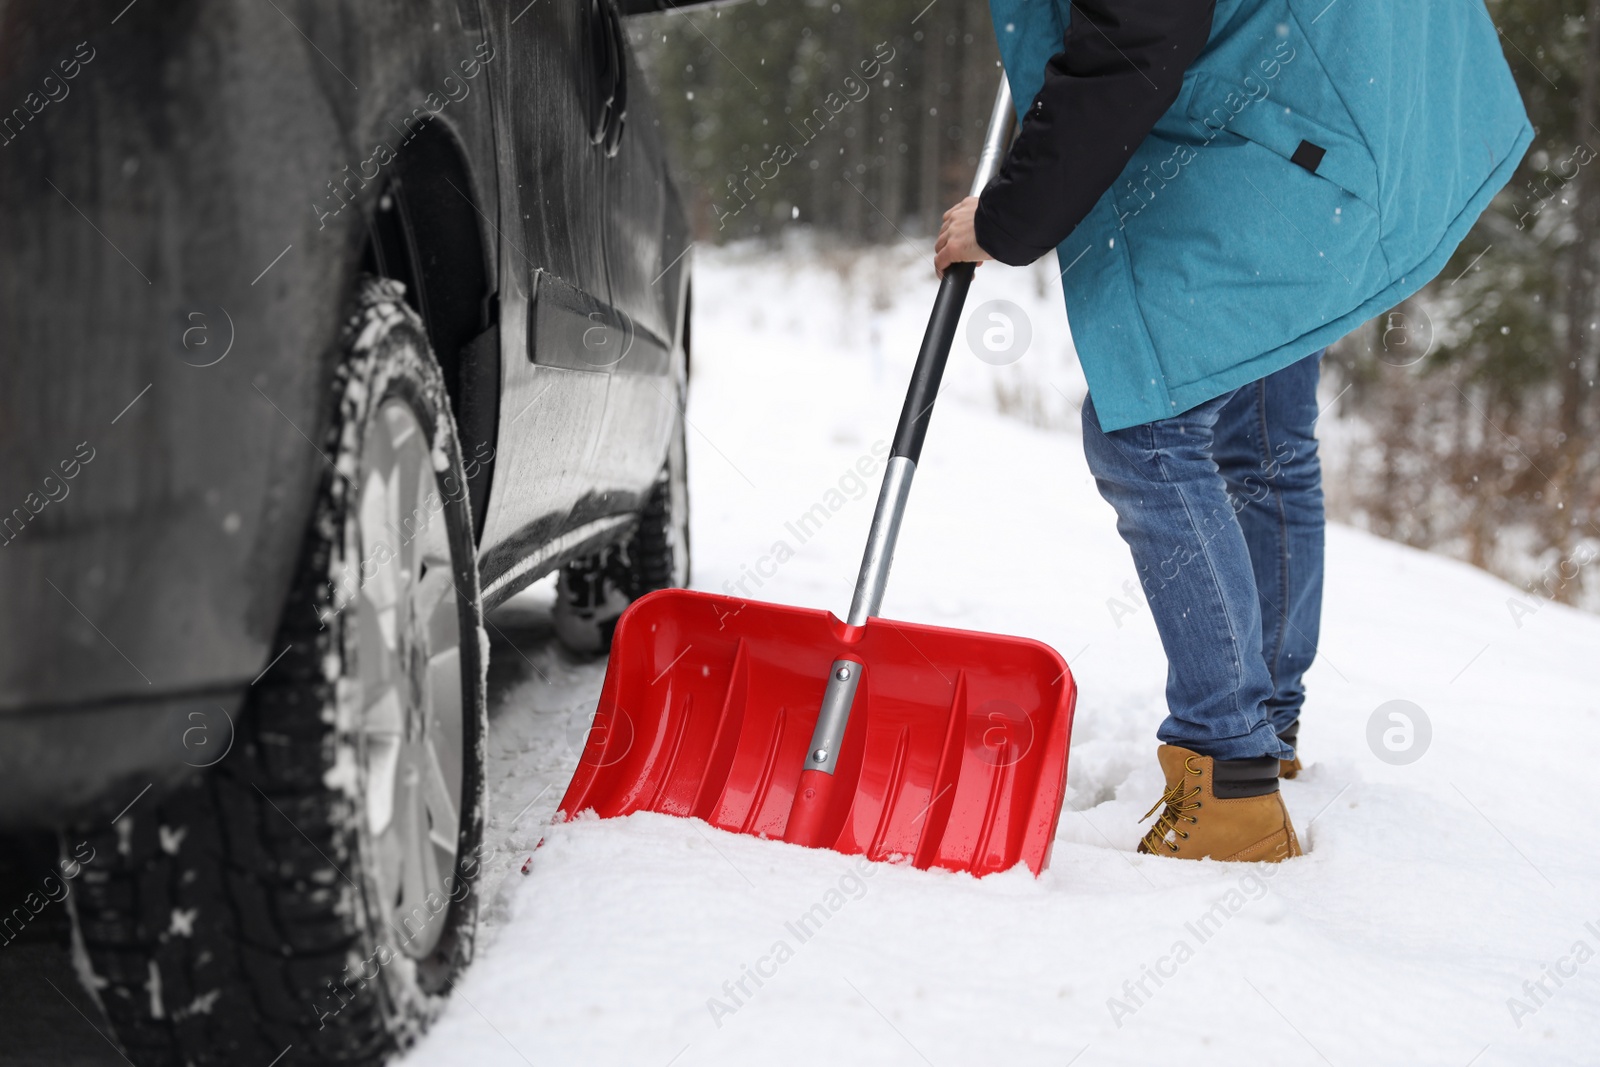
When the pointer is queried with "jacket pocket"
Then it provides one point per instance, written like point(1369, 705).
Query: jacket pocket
point(1216, 108)
point(1245, 233)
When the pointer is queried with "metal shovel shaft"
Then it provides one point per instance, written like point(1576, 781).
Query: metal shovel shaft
point(924, 390)
point(896, 489)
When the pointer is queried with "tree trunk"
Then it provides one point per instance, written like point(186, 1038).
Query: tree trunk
point(932, 120)
point(1576, 405)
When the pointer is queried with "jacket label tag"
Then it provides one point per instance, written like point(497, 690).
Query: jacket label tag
point(1308, 156)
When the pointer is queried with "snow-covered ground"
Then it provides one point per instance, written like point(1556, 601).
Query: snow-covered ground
point(1447, 911)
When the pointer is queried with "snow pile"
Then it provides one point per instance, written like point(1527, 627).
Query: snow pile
point(1446, 912)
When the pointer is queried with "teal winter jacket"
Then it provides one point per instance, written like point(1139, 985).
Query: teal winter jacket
point(1321, 164)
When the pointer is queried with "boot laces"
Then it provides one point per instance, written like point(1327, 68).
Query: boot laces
point(1178, 805)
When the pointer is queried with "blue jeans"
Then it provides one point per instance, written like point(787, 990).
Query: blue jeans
point(1222, 507)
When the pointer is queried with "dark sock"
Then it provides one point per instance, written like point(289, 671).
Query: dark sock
point(1234, 778)
point(1290, 733)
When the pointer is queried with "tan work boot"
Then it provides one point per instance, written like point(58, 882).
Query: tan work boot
point(1288, 768)
point(1196, 823)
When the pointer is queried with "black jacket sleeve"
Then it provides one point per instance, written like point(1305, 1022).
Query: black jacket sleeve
point(1118, 72)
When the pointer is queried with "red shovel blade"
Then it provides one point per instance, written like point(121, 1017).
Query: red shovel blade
point(955, 755)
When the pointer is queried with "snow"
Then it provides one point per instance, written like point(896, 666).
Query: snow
point(1432, 890)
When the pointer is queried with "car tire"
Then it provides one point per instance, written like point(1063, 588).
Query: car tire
point(592, 593)
point(313, 889)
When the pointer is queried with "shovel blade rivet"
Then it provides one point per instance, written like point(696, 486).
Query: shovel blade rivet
point(843, 674)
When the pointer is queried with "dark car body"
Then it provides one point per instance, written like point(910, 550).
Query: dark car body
point(188, 191)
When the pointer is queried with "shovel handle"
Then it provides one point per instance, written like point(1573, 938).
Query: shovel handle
point(929, 372)
point(924, 389)
point(941, 332)
point(810, 810)
point(1002, 117)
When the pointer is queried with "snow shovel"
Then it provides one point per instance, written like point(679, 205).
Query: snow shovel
point(895, 741)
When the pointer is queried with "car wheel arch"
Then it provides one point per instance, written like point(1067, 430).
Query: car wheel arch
point(429, 228)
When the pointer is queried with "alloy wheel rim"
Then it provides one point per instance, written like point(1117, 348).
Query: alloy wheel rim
point(408, 629)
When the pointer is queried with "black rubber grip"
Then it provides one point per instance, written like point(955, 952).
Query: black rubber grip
point(925, 379)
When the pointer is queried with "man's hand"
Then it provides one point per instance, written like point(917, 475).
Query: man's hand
point(958, 242)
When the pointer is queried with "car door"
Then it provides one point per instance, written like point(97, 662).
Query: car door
point(647, 247)
point(556, 291)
